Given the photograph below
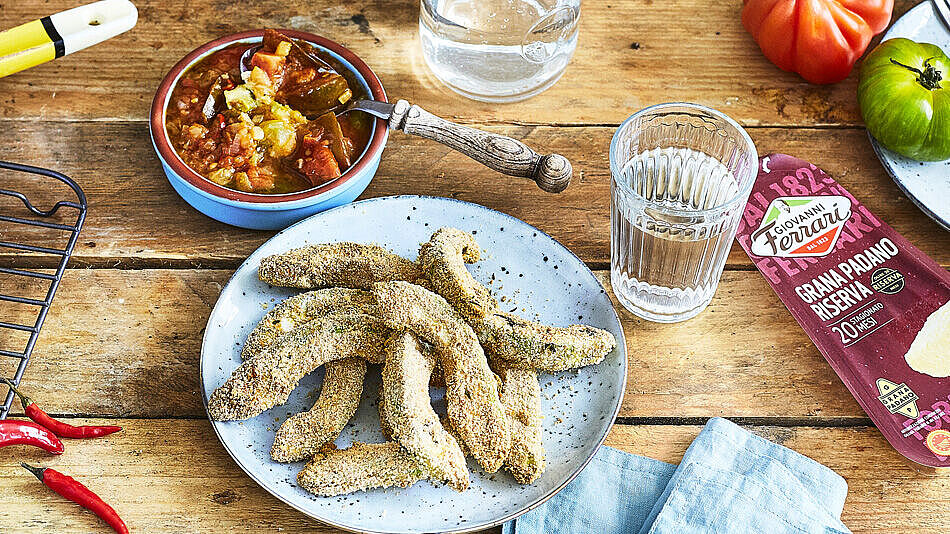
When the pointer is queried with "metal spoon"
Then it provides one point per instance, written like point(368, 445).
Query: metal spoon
point(249, 53)
point(509, 156)
point(552, 172)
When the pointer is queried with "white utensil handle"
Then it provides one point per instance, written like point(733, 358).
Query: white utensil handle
point(84, 26)
point(54, 36)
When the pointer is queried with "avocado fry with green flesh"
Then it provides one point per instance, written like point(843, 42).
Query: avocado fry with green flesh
point(268, 379)
point(361, 467)
point(410, 418)
point(304, 434)
point(443, 260)
point(471, 388)
point(303, 308)
point(532, 345)
point(349, 265)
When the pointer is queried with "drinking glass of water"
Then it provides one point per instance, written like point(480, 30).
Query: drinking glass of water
point(680, 179)
point(498, 50)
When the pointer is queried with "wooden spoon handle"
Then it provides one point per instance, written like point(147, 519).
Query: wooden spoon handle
point(508, 156)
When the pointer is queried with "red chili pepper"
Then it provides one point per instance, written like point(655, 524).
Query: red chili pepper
point(61, 429)
point(70, 488)
point(13, 432)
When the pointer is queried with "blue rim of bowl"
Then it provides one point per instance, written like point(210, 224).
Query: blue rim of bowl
point(886, 159)
point(739, 198)
point(475, 528)
point(207, 188)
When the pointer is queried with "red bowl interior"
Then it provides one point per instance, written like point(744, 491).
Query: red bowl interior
point(168, 154)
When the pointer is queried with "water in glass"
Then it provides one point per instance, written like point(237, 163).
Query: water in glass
point(674, 211)
point(498, 50)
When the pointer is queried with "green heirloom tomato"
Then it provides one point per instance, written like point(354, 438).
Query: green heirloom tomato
point(904, 94)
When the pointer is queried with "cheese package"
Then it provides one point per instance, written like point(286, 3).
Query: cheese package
point(876, 307)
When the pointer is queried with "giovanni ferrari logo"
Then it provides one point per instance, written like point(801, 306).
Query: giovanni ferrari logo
point(801, 226)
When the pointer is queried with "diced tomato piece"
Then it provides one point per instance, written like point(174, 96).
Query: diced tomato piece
point(242, 141)
point(260, 179)
point(272, 64)
point(315, 161)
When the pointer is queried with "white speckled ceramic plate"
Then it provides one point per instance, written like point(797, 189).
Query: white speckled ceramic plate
point(535, 275)
point(926, 184)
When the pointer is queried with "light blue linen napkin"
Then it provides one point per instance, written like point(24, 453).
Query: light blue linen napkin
point(729, 481)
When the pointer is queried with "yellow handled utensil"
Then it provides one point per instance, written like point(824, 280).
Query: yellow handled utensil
point(63, 33)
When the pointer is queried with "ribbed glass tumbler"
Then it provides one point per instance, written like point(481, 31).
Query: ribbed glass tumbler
point(680, 178)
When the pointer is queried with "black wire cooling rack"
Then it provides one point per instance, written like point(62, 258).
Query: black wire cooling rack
point(35, 217)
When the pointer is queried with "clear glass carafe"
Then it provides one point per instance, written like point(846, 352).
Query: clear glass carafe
point(498, 50)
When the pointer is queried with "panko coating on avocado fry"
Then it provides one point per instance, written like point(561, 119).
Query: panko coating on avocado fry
point(409, 416)
point(531, 345)
point(302, 435)
point(384, 425)
point(351, 265)
point(521, 395)
point(361, 467)
point(474, 406)
point(443, 260)
point(268, 379)
point(525, 343)
point(299, 309)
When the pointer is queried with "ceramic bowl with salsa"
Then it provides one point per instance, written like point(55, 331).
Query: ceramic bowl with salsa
point(250, 127)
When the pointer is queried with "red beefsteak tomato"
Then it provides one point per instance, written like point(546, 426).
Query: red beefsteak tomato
point(818, 39)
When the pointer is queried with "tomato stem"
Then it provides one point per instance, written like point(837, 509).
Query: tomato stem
point(929, 78)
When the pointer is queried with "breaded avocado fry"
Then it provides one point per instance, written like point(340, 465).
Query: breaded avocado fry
point(531, 345)
point(521, 395)
point(409, 414)
point(303, 308)
point(471, 387)
point(443, 260)
point(302, 435)
point(521, 342)
point(361, 467)
point(351, 265)
point(268, 379)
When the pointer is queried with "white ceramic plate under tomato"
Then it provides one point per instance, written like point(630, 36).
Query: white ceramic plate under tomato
point(926, 184)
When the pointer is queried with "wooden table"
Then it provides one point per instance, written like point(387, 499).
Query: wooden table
point(121, 343)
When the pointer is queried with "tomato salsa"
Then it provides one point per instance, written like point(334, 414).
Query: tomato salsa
point(272, 128)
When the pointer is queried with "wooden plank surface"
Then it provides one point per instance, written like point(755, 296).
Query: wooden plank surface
point(136, 219)
point(123, 338)
point(689, 50)
point(126, 343)
point(174, 476)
